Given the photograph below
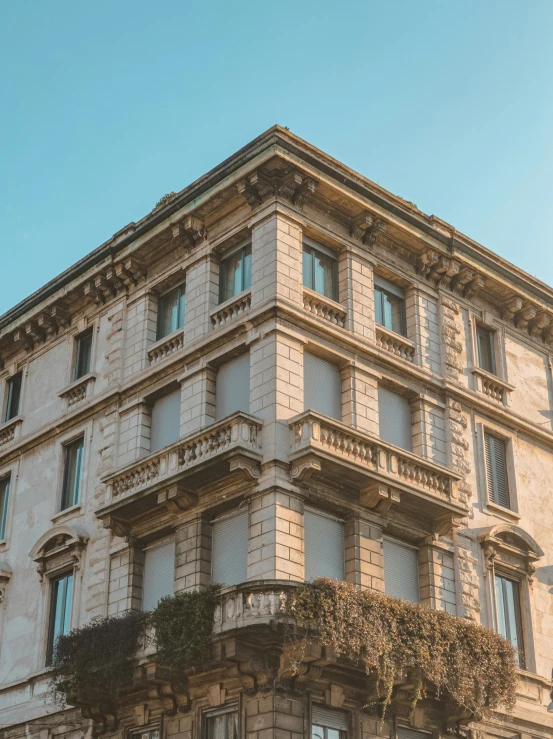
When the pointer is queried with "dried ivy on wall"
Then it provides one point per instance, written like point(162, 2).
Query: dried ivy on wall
point(451, 656)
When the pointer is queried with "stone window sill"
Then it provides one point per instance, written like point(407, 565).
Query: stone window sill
point(499, 510)
point(70, 512)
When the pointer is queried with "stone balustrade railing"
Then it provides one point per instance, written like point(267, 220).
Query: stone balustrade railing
point(230, 310)
point(395, 344)
point(491, 386)
point(10, 431)
point(166, 346)
point(238, 431)
point(312, 432)
point(78, 391)
point(324, 307)
point(251, 603)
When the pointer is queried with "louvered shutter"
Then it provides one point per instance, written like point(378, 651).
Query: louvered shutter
point(401, 570)
point(394, 419)
point(324, 546)
point(322, 386)
point(329, 717)
point(496, 470)
point(159, 574)
point(232, 389)
point(165, 421)
point(406, 732)
point(229, 549)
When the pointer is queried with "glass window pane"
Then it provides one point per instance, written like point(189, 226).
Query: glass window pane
point(84, 352)
point(398, 309)
point(485, 341)
point(378, 306)
point(247, 269)
point(72, 474)
point(386, 311)
point(317, 732)
point(60, 613)
point(332, 734)
point(4, 495)
point(509, 622)
point(171, 312)
point(14, 395)
point(307, 269)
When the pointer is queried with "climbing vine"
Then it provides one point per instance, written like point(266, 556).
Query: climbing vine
point(183, 627)
point(390, 637)
point(94, 657)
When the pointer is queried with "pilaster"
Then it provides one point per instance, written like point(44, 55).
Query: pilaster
point(192, 552)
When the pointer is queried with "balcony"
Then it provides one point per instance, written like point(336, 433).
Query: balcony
point(395, 344)
point(169, 476)
point(324, 307)
point(491, 386)
point(166, 346)
point(231, 309)
point(341, 456)
point(10, 431)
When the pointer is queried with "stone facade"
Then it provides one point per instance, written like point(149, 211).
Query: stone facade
point(283, 459)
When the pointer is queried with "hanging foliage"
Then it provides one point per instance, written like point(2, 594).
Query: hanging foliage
point(95, 657)
point(456, 658)
point(183, 625)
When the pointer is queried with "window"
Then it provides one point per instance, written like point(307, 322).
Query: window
point(60, 611)
point(170, 311)
point(401, 570)
point(165, 421)
point(486, 349)
point(232, 387)
point(146, 733)
point(229, 549)
point(406, 732)
point(235, 273)
point(83, 355)
point(4, 497)
point(72, 473)
point(320, 270)
point(222, 724)
point(14, 396)
point(159, 573)
point(394, 419)
point(324, 546)
point(389, 305)
point(322, 386)
point(496, 470)
point(509, 621)
point(328, 723)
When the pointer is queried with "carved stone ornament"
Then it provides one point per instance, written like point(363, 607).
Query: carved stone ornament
point(189, 233)
point(177, 498)
point(379, 497)
point(248, 468)
point(60, 546)
point(259, 186)
point(305, 468)
point(5, 575)
point(511, 547)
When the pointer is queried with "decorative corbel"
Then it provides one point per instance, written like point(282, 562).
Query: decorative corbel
point(360, 225)
point(92, 293)
point(22, 340)
point(490, 554)
point(302, 187)
point(102, 713)
point(471, 288)
point(305, 468)
point(248, 468)
point(119, 526)
point(34, 332)
point(60, 316)
point(510, 307)
point(255, 188)
point(444, 525)
point(131, 271)
point(104, 287)
point(539, 323)
point(460, 281)
point(46, 324)
point(189, 232)
point(378, 497)
point(426, 262)
point(530, 571)
point(177, 498)
point(525, 315)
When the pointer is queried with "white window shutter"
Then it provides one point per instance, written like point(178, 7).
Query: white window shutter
point(322, 386)
point(394, 419)
point(496, 470)
point(159, 574)
point(232, 387)
point(165, 421)
point(331, 718)
point(401, 570)
point(229, 549)
point(324, 546)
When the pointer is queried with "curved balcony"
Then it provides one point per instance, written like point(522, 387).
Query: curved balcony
point(167, 477)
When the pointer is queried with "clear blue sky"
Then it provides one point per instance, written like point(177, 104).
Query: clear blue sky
point(106, 106)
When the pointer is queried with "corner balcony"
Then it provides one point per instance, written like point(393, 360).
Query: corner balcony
point(328, 451)
point(170, 476)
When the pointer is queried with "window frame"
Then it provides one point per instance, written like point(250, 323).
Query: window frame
point(232, 708)
point(487, 433)
point(51, 635)
point(491, 339)
point(246, 250)
point(5, 480)
point(310, 246)
point(498, 573)
point(65, 475)
point(181, 287)
point(148, 729)
point(387, 288)
point(343, 733)
point(8, 414)
point(87, 334)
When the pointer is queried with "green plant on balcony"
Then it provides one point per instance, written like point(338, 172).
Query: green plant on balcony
point(94, 659)
point(448, 656)
point(165, 199)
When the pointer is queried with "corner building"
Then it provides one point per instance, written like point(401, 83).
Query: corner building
point(281, 372)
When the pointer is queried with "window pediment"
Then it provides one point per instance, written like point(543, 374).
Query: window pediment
point(510, 547)
point(58, 548)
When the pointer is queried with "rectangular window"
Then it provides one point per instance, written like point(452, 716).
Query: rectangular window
point(235, 273)
point(389, 305)
point(60, 611)
point(509, 620)
point(328, 723)
point(83, 354)
point(165, 428)
point(146, 733)
point(232, 387)
point(170, 311)
point(486, 349)
point(496, 470)
point(14, 396)
point(322, 386)
point(159, 574)
point(229, 549)
point(222, 724)
point(320, 270)
point(4, 499)
point(72, 473)
point(401, 570)
point(406, 732)
point(324, 546)
point(394, 419)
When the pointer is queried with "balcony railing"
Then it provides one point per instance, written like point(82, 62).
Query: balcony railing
point(323, 307)
point(78, 391)
point(395, 344)
point(10, 431)
point(166, 346)
point(251, 604)
point(491, 386)
point(318, 440)
point(231, 309)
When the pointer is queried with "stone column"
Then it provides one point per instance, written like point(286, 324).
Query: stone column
point(192, 552)
point(126, 573)
point(423, 327)
point(197, 398)
point(356, 290)
point(360, 399)
point(140, 331)
point(202, 295)
point(429, 429)
point(437, 576)
point(135, 421)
